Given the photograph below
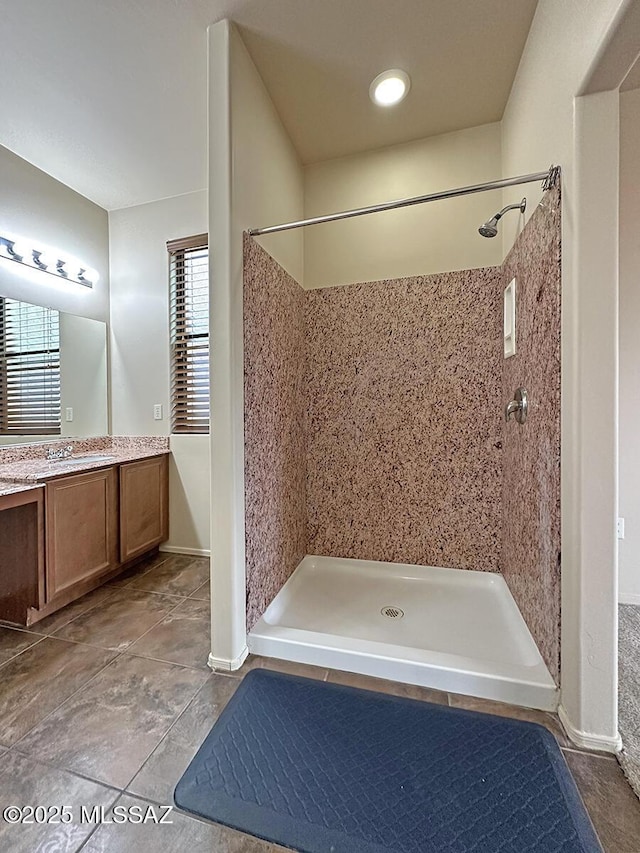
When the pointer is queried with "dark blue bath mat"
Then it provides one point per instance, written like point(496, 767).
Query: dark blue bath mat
point(319, 767)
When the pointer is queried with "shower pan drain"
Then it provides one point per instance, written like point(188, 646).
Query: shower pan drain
point(392, 612)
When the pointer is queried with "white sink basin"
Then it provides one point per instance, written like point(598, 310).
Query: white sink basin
point(84, 460)
point(71, 463)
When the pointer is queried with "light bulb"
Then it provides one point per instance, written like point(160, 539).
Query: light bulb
point(23, 250)
point(68, 269)
point(88, 276)
point(48, 259)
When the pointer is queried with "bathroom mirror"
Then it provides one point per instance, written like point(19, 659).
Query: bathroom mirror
point(53, 374)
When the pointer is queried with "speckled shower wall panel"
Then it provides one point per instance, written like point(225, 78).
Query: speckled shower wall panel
point(275, 503)
point(403, 424)
point(531, 466)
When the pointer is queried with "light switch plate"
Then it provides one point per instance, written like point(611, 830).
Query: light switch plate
point(157, 412)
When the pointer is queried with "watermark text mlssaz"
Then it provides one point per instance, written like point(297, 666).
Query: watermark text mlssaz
point(147, 813)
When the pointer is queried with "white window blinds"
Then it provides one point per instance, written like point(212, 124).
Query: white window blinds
point(189, 329)
point(29, 369)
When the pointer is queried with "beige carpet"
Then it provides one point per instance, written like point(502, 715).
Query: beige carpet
point(629, 692)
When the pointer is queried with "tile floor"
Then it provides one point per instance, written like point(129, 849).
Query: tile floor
point(105, 702)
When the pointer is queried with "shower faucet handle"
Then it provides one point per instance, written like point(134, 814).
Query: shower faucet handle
point(519, 406)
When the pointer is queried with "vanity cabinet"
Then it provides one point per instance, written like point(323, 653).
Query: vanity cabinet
point(144, 506)
point(60, 541)
point(82, 528)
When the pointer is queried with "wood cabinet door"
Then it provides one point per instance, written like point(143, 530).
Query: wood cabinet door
point(144, 501)
point(81, 528)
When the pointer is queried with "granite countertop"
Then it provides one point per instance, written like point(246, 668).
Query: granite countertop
point(9, 488)
point(26, 467)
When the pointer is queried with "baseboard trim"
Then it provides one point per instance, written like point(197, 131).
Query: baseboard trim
point(587, 740)
point(190, 552)
point(629, 598)
point(227, 665)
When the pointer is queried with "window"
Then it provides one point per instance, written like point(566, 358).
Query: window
point(189, 328)
point(29, 369)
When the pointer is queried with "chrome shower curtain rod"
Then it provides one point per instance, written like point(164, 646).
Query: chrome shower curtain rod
point(549, 177)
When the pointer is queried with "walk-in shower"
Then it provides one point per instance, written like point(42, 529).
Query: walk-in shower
point(386, 528)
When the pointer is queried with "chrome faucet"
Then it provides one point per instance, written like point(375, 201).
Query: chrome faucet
point(519, 406)
point(63, 453)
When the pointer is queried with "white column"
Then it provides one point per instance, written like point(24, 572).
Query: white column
point(228, 624)
point(590, 430)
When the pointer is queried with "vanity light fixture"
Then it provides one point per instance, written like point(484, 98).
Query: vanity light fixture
point(47, 260)
point(390, 87)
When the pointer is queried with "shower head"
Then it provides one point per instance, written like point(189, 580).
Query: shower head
point(490, 227)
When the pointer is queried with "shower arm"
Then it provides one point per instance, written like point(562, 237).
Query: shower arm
point(504, 210)
point(550, 178)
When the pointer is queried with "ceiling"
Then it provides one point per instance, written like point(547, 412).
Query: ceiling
point(109, 96)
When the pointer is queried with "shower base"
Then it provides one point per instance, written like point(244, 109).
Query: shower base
point(448, 629)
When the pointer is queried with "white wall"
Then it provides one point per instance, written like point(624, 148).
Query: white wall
point(543, 123)
point(255, 179)
point(267, 179)
point(37, 207)
point(629, 508)
point(189, 495)
point(538, 121)
point(140, 351)
point(427, 238)
point(140, 307)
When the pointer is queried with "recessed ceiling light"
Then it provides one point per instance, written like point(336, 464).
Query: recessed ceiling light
point(390, 87)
